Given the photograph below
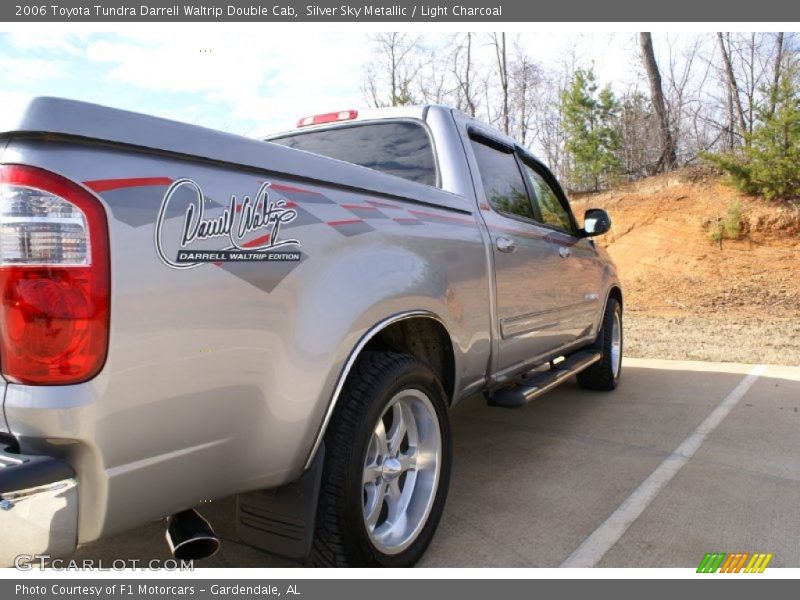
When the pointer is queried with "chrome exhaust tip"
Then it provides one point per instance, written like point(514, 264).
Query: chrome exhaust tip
point(190, 536)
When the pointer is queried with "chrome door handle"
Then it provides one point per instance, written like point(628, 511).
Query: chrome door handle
point(564, 252)
point(505, 244)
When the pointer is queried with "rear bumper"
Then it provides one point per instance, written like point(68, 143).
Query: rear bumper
point(38, 506)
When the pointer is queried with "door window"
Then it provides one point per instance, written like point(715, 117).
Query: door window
point(502, 181)
point(544, 197)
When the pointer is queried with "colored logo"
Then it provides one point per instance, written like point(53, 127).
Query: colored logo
point(736, 562)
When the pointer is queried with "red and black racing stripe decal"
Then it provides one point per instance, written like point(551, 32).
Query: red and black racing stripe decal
point(105, 185)
point(350, 227)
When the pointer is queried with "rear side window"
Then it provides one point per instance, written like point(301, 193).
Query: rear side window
point(502, 181)
point(399, 148)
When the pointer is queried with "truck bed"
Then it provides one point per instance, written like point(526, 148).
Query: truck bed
point(59, 118)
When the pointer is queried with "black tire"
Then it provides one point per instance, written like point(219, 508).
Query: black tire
point(341, 538)
point(603, 375)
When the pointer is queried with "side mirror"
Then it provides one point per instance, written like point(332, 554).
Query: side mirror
point(596, 222)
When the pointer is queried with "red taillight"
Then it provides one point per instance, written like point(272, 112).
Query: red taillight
point(343, 115)
point(54, 279)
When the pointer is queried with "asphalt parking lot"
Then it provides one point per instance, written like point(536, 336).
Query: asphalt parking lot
point(684, 458)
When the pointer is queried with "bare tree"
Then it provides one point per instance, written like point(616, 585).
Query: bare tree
point(751, 64)
point(463, 70)
point(526, 80)
point(751, 57)
point(390, 77)
point(667, 160)
point(639, 136)
point(687, 102)
point(734, 100)
point(776, 72)
point(499, 43)
point(547, 135)
point(434, 85)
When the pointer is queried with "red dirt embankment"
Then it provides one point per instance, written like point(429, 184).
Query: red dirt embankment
point(740, 302)
point(661, 240)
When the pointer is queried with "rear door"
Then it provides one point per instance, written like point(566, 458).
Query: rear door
point(527, 265)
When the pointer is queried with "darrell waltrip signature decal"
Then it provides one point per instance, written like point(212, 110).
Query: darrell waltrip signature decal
point(234, 224)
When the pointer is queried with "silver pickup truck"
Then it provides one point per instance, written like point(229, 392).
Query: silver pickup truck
point(187, 315)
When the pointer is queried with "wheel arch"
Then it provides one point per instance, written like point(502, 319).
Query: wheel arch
point(426, 338)
point(420, 333)
point(616, 293)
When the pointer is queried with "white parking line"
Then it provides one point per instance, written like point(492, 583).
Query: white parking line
point(602, 539)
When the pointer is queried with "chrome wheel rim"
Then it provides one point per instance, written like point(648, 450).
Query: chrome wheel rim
point(401, 471)
point(616, 345)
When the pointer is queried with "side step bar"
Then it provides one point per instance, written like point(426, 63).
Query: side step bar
point(534, 386)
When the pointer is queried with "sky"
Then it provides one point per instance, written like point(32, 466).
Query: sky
point(241, 81)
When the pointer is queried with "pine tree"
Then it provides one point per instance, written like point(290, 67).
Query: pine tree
point(590, 123)
point(769, 163)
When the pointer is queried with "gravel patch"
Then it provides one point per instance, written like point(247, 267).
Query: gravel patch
point(715, 338)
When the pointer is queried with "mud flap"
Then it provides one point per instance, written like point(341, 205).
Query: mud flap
point(281, 520)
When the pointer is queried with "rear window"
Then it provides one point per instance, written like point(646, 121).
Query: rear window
point(398, 148)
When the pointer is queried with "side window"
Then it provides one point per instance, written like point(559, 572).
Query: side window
point(553, 213)
point(502, 181)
